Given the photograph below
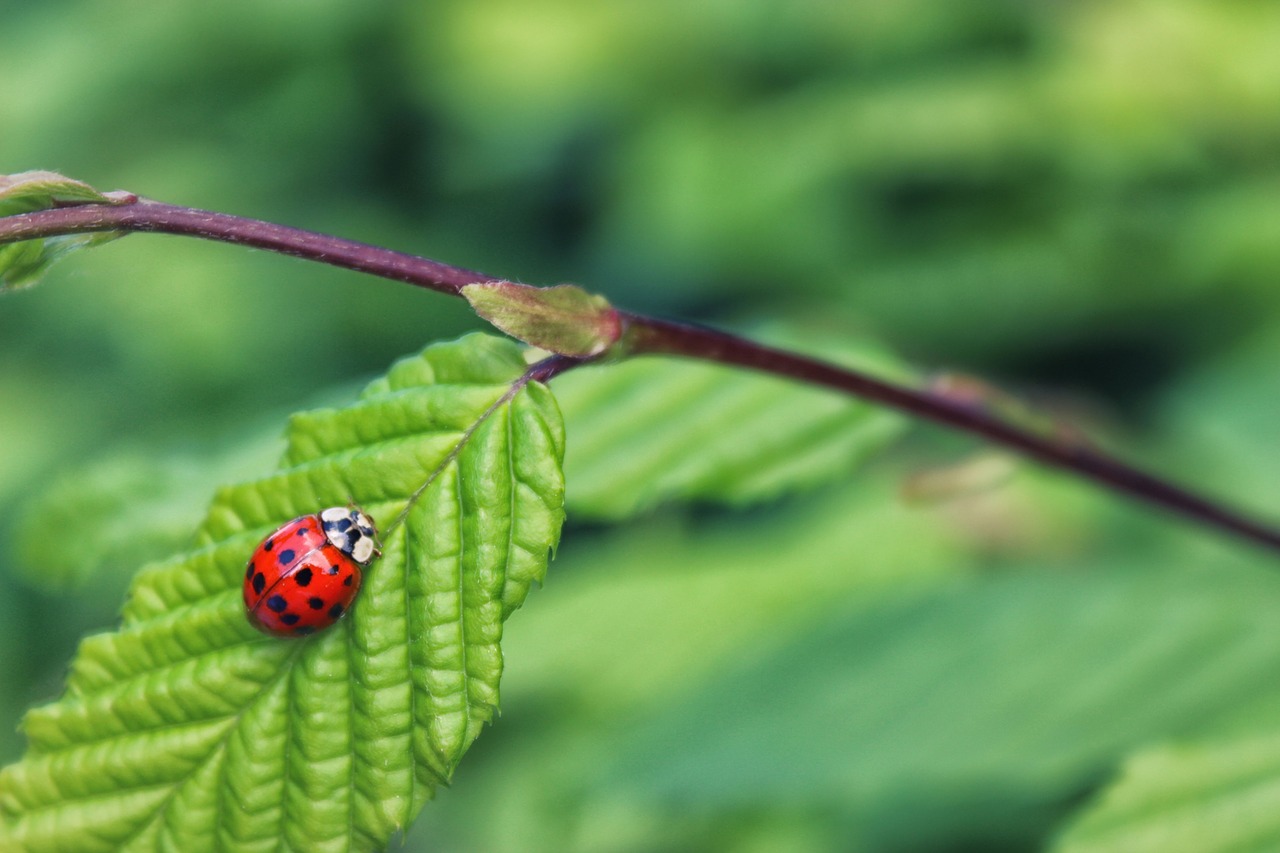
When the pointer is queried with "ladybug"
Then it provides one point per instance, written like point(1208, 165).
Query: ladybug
point(305, 575)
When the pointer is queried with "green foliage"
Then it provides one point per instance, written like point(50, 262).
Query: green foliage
point(120, 511)
point(647, 619)
point(832, 669)
point(717, 436)
point(186, 728)
point(28, 191)
point(1207, 796)
point(1227, 413)
point(22, 264)
point(718, 593)
point(1005, 693)
point(653, 430)
point(1071, 199)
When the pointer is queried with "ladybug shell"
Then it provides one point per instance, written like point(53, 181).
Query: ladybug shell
point(297, 581)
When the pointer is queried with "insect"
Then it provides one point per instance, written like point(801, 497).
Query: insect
point(304, 576)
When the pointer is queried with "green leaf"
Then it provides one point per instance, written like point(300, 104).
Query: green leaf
point(652, 430)
point(133, 505)
point(28, 191)
point(186, 729)
point(982, 707)
point(22, 264)
point(726, 589)
point(125, 509)
point(651, 612)
point(1208, 796)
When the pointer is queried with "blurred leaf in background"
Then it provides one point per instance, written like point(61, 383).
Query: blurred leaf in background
point(1077, 200)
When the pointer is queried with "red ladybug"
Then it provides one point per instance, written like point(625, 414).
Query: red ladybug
point(305, 575)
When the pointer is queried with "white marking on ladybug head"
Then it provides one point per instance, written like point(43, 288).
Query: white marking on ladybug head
point(362, 552)
point(351, 531)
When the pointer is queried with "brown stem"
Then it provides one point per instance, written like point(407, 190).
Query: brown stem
point(161, 218)
point(649, 335)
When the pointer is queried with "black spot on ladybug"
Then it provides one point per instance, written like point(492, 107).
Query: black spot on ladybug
point(248, 573)
point(303, 576)
point(303, 630)
point(348, 579)
point(302, 531)
point(335, 611)
point(316, 603)
point(289, 618)
point(286, 556)
point(276, 603)
point(268, 545)
point(332, 570)
point(259, 582)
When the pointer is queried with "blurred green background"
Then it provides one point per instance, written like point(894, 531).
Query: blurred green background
point(1076, 200)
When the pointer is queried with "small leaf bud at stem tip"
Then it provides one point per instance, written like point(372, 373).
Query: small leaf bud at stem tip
point(564, 319)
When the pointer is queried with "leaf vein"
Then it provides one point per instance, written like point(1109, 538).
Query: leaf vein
point(284, 761)
point(217, 748)
point(462, 610)
point(409, 667)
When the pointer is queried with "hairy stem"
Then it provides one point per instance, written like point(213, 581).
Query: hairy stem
point(647, 335)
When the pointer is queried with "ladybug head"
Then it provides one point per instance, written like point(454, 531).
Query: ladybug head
point(352, 532)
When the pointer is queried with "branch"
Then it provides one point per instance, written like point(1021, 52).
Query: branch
point(153, 216)
point(646, 335)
